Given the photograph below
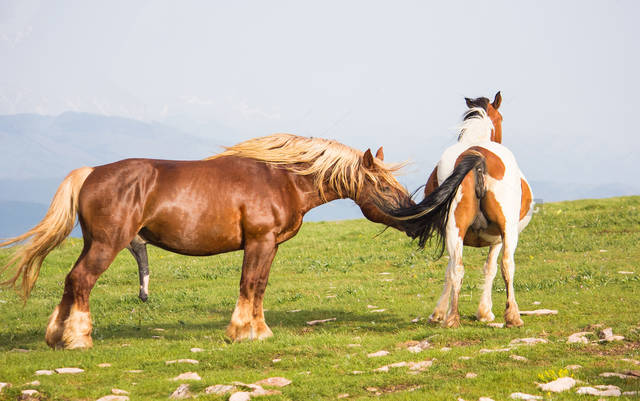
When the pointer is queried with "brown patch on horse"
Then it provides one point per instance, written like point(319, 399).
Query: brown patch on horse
point(526, 198)
point(492, 209)
point(432, 182)
point(468, 207)
point(495, 166)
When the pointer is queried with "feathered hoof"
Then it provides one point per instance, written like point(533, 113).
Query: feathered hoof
point(485, 316)
point(249, 331)
point(512, 319)
point(452, 321)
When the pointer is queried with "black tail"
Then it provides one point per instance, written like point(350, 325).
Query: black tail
point(429, 217)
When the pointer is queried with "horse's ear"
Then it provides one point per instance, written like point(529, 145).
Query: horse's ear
point(367, 160)
point(497, 100)
point(469, 102)
point(380, 154)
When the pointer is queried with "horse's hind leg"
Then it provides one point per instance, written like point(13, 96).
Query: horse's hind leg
point(490, 269)
point(512, 313)
point(70, 323)
point(443, 302)
point(138, 249)
point(247, 321)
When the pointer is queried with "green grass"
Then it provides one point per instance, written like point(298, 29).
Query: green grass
point(568, 259)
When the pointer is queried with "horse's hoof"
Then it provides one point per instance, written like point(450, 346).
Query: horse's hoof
point(436, 318)
point(485, 316)
point(143, 297)
point(452, 322)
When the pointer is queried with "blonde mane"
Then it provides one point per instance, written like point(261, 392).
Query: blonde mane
point(333, 165)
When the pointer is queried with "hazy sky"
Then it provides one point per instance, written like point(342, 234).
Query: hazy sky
point(367, 73)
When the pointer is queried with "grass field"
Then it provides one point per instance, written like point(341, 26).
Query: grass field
point(569, 259)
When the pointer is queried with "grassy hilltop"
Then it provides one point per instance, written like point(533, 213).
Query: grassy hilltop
point(569, 258)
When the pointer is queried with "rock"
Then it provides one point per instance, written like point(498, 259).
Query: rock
point(240, 396)
point(377, 310)
point(535, 303)
point(219, 389)
point(378, 354)
point(135, 371)
point(471, 375)
point(634, 373)
point(187, 376)
point(372, 307)
point(419, 347)
point(197, 350)
point(343, 395)
point(158, 329)
point(276, 360)
point(114, 398)
point(558, 385)
point(104, 365)
point(528, 341)
point(420, 366)
point(181, 392)
point(294, 310)
point(274, 382)
point(625, 272)
point(539, 312)
point(604, 391)
point(631, 393)
point(606, 335)
point(357, 372)
point(485, 399)
point(354, 345)
point(579, 337)
point(445, 349)
point(633, 361)
point(20, 350)
point(4, 385)
point(44, 372)
point(464, 358)
point(524, 396)
point(573, 367)
point(416, 320)
point(117, 391)
point(314, 322)
point(384, 273)
point(29, 394)
point(393, 365)
point(72, 371)
point(518, 358)
point(33, 383)
point(496, 325)
point(618, 375)
point(191, 361)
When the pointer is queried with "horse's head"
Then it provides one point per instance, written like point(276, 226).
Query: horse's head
point(492, 110)
point(380, 190)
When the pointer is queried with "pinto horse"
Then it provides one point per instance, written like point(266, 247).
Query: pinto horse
point(253, 196)
point(476, 196)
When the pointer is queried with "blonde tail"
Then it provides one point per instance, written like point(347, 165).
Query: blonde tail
point(48, 234)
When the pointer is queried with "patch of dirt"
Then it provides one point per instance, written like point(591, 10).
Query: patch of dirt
point(625, 348)
point(464, 343)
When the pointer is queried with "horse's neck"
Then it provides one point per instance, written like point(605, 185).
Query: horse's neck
point(310, 194)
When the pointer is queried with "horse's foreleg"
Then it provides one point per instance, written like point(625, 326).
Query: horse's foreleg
point(490, 269)
point(247, 321)
point(138, 249)
point(70, 323)
point(512, 313)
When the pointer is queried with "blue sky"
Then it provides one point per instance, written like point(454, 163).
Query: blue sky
point(367, 73)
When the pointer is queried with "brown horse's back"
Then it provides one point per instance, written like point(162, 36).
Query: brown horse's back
point(189, 207)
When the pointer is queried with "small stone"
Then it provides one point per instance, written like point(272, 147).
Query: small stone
point(33, 383)
point(488, 351)
point(573, 367)
point(104, 365)
point(69, 370)
point(191, 361)
point(416, 320)
point(4, 385)
point(535, 303)
point(464, 358)
point(377, 310)
point(445, 349)
point(294, 311)
point(158, 329)
point(117, 391)
point(625, 272)
point(354, 345)
point(114, 398)
point(618, 375)
point(604, 391)
point(634, 373)
point(485, 399)
point(44, 372)
point(606, 335)
point(558, 385)
point(181, 392)
point(372, 307)
point(314, 322)
point(393, 365)
point(539, 312)
point(633, 361)
point(240, 396)
point(631, 393)
point(496, 325)
point(524, 396)
point(135, 371)
point(384, 273)
point(343, 395)
point(420, 366)
point(518, 358)
point(357, 372)
point(378, 354)
point(219, 389)
point(471, 375)
point(187, 376)
point(274, 382)
point(197, 350)
point(579, 337)
point(29, 394)
point(372, 389)
point(276, 360)
point(528, 341)
point(19, 350)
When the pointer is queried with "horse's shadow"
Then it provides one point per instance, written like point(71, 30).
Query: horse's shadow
point(215, 322)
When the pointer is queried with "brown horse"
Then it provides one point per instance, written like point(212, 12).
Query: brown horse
point(253, 197)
